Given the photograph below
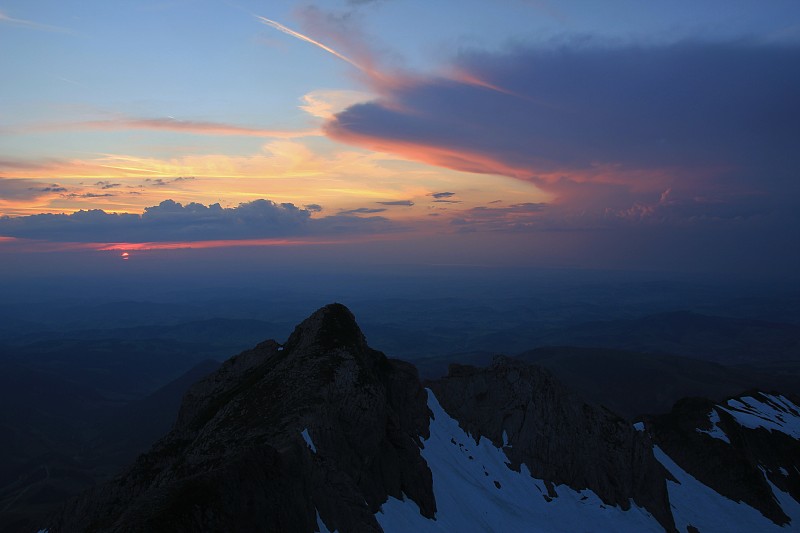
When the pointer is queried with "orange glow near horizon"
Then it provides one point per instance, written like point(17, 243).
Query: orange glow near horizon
point(125, 248)
point(302, 173)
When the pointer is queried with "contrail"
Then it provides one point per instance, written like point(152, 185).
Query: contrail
point(30, 24)
point(280, 27)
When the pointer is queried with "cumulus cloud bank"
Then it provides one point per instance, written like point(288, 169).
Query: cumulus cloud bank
point(172, 221)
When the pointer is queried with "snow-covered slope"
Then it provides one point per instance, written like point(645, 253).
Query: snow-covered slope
point(736, 463)
point(772, 412)
point(694, 504)
point(476, 491)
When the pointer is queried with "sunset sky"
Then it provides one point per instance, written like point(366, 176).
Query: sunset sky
point(622, 134)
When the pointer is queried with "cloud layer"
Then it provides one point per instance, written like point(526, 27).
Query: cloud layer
point(171, 221)
point(604, 127)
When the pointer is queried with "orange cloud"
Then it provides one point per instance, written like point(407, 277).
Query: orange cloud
point(455, 159)
point(326, 103)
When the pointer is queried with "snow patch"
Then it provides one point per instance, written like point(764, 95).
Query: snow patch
point(505, 439)
point(639, 426)
point(784, 471)
point(475, 490)
point(309, 442)
point(775, 413)
point(715, 431)
point(700, 506)
point(321, 525)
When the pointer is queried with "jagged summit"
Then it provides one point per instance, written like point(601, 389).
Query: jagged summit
point(281, 438)
point(332, 327)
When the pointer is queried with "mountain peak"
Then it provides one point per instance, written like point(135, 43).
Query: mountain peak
point(332, 327)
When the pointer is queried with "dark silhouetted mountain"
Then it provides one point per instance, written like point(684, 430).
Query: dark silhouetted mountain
point(324, 433)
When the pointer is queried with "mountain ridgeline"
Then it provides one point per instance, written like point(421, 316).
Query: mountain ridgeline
point(324, 433)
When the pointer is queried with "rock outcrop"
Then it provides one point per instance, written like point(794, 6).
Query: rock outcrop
point(323, 426)
point(560, 438)
point(711, 442)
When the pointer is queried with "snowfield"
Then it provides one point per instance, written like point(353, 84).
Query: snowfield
point(775, 413)
point(475, 490)
point(696, 504)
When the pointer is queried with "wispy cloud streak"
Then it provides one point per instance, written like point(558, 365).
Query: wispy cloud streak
point(30, 24)
point(288, 31)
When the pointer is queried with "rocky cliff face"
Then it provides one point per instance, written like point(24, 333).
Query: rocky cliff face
point(322, 426)
point(561, 439)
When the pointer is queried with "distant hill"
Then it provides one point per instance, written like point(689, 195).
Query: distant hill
point(132, 428)
point(712, 338)
point(62, 438)
point(120, 369)
point(634, 383)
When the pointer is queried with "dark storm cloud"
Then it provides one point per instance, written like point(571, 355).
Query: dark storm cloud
point(172, 221)
point(605, 127)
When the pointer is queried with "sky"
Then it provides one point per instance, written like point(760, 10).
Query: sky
point(654, 136)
